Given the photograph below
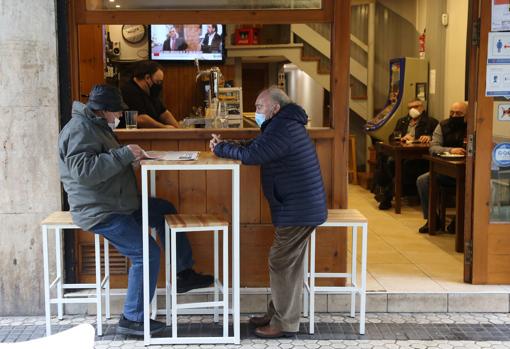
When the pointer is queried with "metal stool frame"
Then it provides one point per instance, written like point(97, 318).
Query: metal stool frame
point(172, 306)
point(309, 276)
point(60, 286)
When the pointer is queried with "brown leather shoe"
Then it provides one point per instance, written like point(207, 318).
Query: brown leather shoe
point(272, 332)
point(259, 321)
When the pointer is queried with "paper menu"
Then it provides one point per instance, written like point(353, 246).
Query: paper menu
point(172, 155)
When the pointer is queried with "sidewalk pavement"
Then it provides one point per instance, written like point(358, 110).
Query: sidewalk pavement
point(383, 331)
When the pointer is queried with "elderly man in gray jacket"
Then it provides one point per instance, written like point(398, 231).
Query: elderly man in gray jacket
point(98, 176)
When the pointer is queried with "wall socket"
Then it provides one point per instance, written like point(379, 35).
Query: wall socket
point(116, 48)
point(444, 19)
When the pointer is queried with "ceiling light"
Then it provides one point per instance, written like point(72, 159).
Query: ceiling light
point(112, 0)
point(117, 6)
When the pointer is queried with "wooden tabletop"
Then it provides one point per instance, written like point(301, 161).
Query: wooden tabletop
point(204, 158)
point(405, 146)
point(441, 159)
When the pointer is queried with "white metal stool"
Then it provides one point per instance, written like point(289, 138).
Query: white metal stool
point(179, 223)
point(339, 218)
point(62, 220)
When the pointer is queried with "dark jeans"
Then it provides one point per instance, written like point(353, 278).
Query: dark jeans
point(125, 233)
point(423, 183)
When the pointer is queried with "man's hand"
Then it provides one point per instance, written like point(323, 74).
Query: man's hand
point(406, 138)
point(169, 126)
point(215, 140)
point(424, 139)
point(460, 151)
point(137, 151)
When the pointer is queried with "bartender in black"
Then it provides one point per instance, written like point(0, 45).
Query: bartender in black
point(142, 93)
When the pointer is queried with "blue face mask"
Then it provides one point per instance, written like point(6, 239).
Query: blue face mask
point(260, 118)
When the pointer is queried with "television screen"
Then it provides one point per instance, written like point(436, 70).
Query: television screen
point(185, 42)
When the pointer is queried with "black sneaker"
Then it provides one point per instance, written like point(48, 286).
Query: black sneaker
point(135, 328)
point(450, 228)
point(189, 279)
point(424, 229)
point(385, 205)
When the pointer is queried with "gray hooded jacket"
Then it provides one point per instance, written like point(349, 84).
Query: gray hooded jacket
point(95, 170)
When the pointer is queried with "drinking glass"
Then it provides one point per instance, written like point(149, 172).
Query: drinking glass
point(130, 117)
point(222, 114)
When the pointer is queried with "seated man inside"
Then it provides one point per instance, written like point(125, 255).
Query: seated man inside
point(449, 137)
point(415, 126)
point(143, 93)
point(98, 176)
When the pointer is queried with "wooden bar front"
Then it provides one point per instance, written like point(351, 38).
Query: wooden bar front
point(210, 192)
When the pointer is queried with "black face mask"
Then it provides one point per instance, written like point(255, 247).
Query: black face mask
point(155, 90)
point(457, 121)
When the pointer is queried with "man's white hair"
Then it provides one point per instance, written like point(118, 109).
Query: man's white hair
point(277, 95)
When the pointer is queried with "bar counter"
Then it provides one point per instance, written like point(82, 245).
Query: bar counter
point(210, 192)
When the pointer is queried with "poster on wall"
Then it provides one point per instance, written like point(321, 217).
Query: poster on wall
point(498, 65)
point(498, 51)
point(500, 15)
point(498, 80)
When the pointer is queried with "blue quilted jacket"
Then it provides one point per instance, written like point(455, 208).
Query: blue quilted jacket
point(291, 176)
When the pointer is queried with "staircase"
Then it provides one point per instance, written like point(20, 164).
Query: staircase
point(294, 52)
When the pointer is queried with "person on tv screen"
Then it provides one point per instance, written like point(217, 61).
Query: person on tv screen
point(143, 93)
point(174, 42)
point(211, 43)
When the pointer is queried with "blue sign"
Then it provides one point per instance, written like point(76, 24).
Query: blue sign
point(501, 154)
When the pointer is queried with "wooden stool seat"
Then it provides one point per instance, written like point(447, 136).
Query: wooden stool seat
point(59, 218)
point(336, 217)
point(194, 220)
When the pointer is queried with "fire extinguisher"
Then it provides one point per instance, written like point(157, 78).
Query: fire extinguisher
point(421, 42)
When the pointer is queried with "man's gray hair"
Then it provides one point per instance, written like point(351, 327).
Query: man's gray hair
point(278, 96)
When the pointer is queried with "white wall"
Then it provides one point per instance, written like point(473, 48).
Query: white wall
point(303, 90)
point(421, 15)
point(128, 51)
point(29, 180)
point(455, 53)
point(404, 8)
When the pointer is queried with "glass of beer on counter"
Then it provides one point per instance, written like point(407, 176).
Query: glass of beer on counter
point(130, 117)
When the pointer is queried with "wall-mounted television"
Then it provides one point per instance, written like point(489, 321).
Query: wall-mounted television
point(186, 42)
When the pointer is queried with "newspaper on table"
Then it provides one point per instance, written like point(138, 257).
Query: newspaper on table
point(172, 155)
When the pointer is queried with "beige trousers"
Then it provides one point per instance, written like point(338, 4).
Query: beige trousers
point(286, 259)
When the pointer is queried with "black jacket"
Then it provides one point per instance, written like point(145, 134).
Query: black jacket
point(425, 125)
point(215, 44)
point(291, 175)
point(180, 45)
point(454, 131)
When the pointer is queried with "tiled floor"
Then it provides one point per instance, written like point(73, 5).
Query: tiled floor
point(384, 330)
point(402, 260)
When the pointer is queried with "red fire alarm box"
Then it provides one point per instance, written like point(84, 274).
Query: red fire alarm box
point(247, 36)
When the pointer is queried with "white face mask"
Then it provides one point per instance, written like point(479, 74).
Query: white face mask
point(414, 113)
point(260, 118)
point(113, 125)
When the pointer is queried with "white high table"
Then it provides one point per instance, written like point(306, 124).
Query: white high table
point(205, 161)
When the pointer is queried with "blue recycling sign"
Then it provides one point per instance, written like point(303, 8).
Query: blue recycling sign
point(501, 154)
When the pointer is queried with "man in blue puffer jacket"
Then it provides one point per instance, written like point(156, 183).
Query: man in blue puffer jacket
point(292, 183)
